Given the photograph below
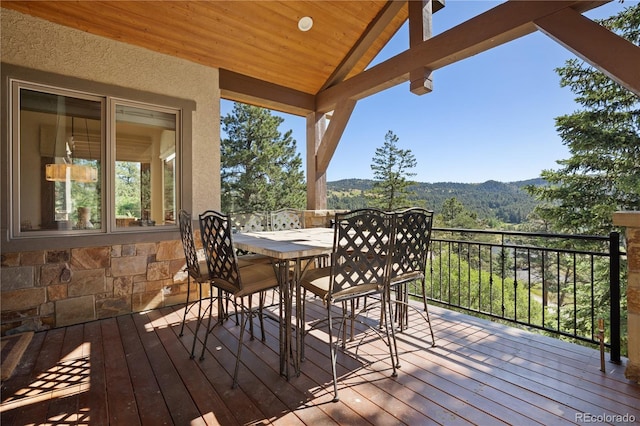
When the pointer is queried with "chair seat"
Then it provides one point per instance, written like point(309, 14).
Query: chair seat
point(317, 281)
point(199, 276)
point(409, 276)
point(243, 261)
point(255, 278)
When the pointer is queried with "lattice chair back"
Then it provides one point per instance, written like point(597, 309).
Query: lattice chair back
point(362, 244)
point(215, 229)
point(250, 222)
point(412, 239)
point(284, 219)
point(189, 245)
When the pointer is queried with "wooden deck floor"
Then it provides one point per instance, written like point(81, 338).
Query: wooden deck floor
point(135, 369)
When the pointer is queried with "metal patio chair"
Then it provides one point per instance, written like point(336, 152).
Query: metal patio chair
point(409, 261)
point(250, 221)
point(241, 282)
point(196, 268)
point(286, 218)
point(358, 268)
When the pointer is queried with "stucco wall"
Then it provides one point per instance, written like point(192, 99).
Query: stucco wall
point(35, 43)
point(76, 282)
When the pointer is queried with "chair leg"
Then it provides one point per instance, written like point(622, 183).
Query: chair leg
point(352, 318)
point(343, 326)
point(250, 318)
point(303, 332)
point(198, 322)
point(186, 307)
point(426, 311)
point(391, 338)
point(206, 336)
point(235, 308)
point(261, 297)
point(383, 299)
point(332, 351)
point(402, 314)
point(245, 316)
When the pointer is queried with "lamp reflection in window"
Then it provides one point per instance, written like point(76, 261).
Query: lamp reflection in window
point(68, 171)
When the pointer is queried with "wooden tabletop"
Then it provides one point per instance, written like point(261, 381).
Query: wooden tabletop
point(288, 244)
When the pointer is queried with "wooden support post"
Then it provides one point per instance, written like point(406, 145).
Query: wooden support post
point(316, 180)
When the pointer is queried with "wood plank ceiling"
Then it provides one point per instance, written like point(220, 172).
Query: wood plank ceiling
point(266, 60)
point(257, 39)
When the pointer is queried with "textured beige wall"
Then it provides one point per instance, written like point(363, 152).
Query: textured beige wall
point(39, 44)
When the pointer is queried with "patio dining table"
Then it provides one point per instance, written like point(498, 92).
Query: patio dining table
point(293, 252)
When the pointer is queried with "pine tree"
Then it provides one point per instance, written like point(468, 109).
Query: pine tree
point(391, 167)
point(261, 169)
point(602, 175)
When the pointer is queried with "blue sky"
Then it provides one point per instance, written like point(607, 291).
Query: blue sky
point(489, 117)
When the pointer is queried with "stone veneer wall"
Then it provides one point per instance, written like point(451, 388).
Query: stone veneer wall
point(631, 221)
point(55, 288)
point(318, 218)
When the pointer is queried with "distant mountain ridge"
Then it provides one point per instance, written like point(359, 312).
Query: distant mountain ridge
point(505, 201)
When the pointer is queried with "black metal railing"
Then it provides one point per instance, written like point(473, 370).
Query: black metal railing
point(565, 285)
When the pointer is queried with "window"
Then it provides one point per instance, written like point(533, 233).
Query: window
point(145, 152)
point(87, 164)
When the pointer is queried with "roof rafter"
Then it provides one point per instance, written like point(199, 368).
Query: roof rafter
point(242, 88)
point(602, 49)
point(370, 35)
point(420, 29)
point(499, 25)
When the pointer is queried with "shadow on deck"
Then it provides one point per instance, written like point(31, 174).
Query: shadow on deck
point(134, 369)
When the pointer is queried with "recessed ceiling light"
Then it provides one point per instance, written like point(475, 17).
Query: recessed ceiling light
point(305, 23)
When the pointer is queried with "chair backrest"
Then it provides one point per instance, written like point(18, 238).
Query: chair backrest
point(250, 222)
point(287, 219)
point(361, 252)
point(215, 230)
point(412, 239)
point(188, 244)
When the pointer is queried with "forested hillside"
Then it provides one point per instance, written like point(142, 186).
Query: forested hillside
point(507, 202)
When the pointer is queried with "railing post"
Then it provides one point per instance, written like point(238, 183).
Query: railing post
point(614, 291)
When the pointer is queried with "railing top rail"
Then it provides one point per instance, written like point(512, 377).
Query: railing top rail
point(524, 234)
point(526, 247)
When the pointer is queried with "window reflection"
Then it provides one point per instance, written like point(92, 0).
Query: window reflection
point(60, 162)
point(145, 162)
point(61, 158)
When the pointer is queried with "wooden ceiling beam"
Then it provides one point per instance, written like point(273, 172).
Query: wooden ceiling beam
point(596, 45)
point(241, 88)
point(420, 29)
point(342, 113)
point(503, 23)
point(370, 35)
point(335, 129)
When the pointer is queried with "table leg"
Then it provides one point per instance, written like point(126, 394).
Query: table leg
point(289, 288)
point(285, 318)
point(297, 275)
